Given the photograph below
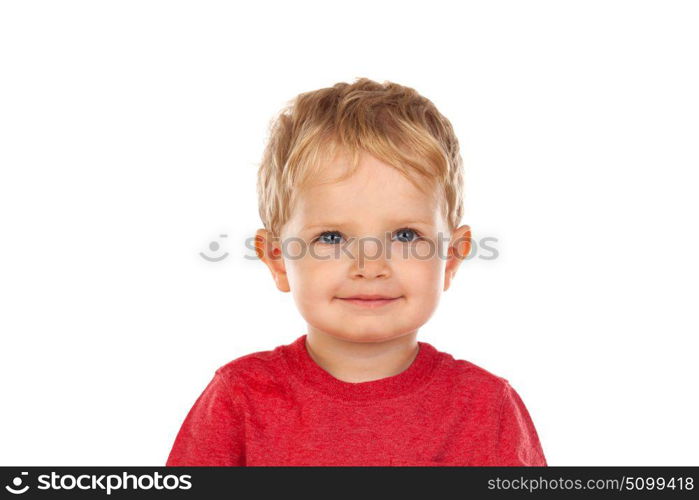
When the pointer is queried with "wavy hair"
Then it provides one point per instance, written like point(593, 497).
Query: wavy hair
point(392, 122)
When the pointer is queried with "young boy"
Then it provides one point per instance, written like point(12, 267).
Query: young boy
point(360, 189)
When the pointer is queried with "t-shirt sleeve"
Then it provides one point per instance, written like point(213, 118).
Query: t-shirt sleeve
point(517, 442)
point(213, 431)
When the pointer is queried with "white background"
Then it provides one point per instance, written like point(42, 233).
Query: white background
point(130, 134)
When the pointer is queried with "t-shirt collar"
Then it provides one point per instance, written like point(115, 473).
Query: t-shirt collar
point(309, 373)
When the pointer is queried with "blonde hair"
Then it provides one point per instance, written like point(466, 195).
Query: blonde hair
point(390, 121)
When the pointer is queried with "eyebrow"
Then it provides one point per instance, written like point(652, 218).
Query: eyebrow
point(401, 222)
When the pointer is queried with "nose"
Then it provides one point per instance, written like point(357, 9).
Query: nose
point(370, 260)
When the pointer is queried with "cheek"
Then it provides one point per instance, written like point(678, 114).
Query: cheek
point(313, 279)
point(423, 283)
point(420, 275)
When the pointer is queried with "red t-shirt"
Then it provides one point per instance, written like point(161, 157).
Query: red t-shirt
point(280, 408)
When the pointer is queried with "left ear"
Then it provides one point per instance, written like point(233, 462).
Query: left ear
point(459, 248)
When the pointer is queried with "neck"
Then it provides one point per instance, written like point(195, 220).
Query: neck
point(352, 361)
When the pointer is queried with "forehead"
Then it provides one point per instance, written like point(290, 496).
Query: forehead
point(375, 190)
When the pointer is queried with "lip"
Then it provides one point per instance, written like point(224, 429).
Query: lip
point(370, 301)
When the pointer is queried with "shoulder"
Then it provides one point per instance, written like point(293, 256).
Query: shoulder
point(260, 368)
point(467, 376)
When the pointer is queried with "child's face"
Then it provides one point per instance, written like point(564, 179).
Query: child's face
point(398, 247)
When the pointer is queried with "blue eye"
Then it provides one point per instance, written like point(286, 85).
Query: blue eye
point(321, 239)
point(408, 231)
point(334, 237)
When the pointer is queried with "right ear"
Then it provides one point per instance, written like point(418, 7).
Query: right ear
point(268, 250)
